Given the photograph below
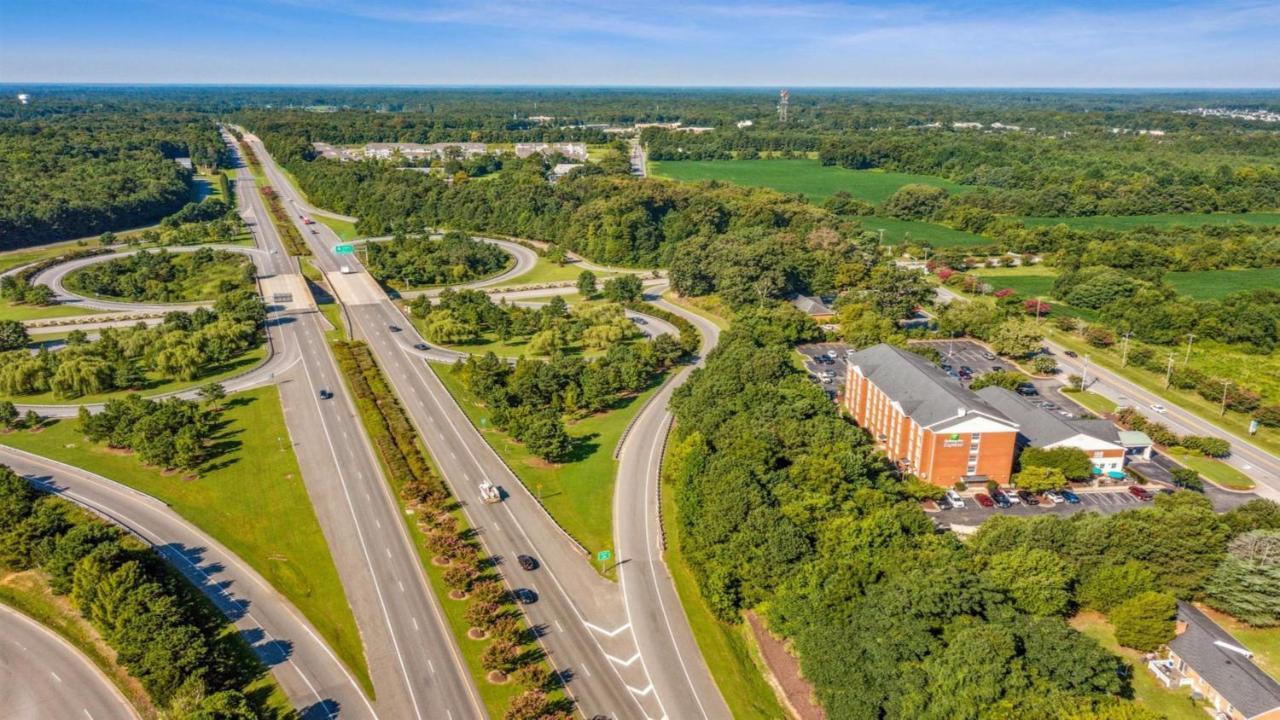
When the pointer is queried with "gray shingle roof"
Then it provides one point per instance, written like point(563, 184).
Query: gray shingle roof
point(1041, 427)
point(926, 393)
point(811, 305)
point(1233, 675)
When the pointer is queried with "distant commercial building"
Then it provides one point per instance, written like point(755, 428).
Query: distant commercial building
point(418, 151)
point(570, 150)
point(1037, 427)
point(927, 422)
point(1209, 660)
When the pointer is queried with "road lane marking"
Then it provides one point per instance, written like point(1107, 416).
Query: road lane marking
point(621, 662)
point(607, 633)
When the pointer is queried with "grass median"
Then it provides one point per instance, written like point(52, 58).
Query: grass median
point(250, 498)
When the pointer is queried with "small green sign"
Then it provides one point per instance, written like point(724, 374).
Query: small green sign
point(604, 555)
point(347, 249)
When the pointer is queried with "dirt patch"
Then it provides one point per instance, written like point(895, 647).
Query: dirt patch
point(477, 633)
point(457, 595)
point(793, 690)
point(497, 677)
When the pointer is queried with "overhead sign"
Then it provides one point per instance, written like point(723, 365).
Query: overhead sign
point(346, 249)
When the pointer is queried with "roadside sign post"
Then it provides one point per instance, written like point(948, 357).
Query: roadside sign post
point(344, 249)
point(603, 557)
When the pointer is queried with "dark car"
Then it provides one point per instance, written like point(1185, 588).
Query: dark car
point(421, 346)
point(1140, 492)
point(997, 368)
point(965, 369)
point(325, 394)
point(1070, 497)
point(1028, 390)
point(1001, 500)
point(945, 367)
point(394, 328)
point(943, 503)
point(525, 596)
point(1071, 354)
point(1028, 498)
point(984, 500)
point(527, 562)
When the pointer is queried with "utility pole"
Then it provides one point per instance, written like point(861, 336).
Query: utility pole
point(1124, 353)
point(1168, 373)
point(1190, 338)
point(1225, 384)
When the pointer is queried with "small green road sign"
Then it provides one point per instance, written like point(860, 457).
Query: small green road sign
point(604, 555)
point(346, 249)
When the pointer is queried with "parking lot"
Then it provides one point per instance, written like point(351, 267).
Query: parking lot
point(1105, 501)
point(826, 371)
point(968, 354)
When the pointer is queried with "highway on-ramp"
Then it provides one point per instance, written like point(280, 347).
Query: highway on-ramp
point(42, 676)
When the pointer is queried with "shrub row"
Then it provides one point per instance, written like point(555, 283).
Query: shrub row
point(284, 224)
point(1160, 433)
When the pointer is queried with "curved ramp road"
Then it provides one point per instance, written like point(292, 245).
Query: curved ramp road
point(525, 259)
point(42, 676)
point(663, 636)
point(312, 676)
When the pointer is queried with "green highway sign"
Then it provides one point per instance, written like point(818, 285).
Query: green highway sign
point(347, 249)
point(604, 555)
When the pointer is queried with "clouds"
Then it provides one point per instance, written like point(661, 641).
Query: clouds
point(702, 42)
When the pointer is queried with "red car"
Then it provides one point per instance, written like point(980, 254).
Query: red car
point(1140, 492)
point(984, 500)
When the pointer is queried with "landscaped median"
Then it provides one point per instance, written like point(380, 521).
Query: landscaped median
point(500, 650)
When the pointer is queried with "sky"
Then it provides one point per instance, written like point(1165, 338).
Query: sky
point(888, 43)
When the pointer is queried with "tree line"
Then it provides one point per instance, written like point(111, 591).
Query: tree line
point(163, 631)
point(409, 261)
point(162, 276)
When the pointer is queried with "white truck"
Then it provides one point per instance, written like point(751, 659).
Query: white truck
point(490, 493)
point(346, 269)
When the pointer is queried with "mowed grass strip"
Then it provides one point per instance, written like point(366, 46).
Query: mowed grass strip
point(1216, 284)
point(1129, 222)
point(578, 493)
point(810, 177)
point(251, 498)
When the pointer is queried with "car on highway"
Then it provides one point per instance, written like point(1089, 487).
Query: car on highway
point(954, 498)
point(1028, 498)
point(527, 562)
point(325, 394)
point(420, 346)
point(985, 500)
point(1056, 496)
point(1140, 492)
point(525, 596)
point(1070, 497)
point(393, 328)
point(1159, 408)
point(1071, 354)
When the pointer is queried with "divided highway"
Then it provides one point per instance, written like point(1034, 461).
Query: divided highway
point(42, 676)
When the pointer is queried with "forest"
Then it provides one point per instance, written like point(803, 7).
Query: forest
point(411, 261)
point(84, 173)
point(166, 277)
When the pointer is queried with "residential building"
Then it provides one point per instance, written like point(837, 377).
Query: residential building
point(418, 151)
point(1037, 427)
point(926, 421)
point(815, 307)
point(1209, 660)
point(572, 151)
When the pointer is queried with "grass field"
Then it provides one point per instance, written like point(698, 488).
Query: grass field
point(202, 286)
point(578, 493)
point(154, 383)
point(545, 271)
point(1092, 402)
point(1214, 284)
point(13, 311)
point(1033, 281)
point(730, 650)
point(1215, 470)
point(345, 229)
point(809, 177)
point(1172, 704)
point(250, 498)
point(1128, 222)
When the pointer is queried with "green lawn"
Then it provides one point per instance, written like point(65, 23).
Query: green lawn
point(154, 383)
point(545, 271)
point(1128, 222)
point(14, 258)
point(345, 229)
point(1147, 691)
point(907, 232)
point(1093, 402)
point(12, 311)
point(251, 498)
point(579, 493)
point(710, 307)
point(203, 286)
point(810, 177)
point(1264, 642)
point(1031, 280)
point(1215, 470)
point(1214, 284)
point(730, 650)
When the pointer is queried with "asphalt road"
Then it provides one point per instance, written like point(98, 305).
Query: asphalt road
point(1250, 459)
point(42, 676)
point(666, 645)
point(415, 664)
point(581, 617)
point(315, 680)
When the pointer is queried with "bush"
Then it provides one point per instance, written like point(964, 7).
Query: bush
point(1145, 621)
point(1098, 336)
point(1268, 416)
point(1206, 445)
point(1040, 479)
point(1073, 463)
point(1187, 478)
point(1044, 365)
point(1109, 585)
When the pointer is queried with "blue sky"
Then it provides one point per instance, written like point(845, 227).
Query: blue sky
point(1126, 43)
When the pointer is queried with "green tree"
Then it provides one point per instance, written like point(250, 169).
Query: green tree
point(1038, 581)
point(1040, 479)
point(1246, 584)
point(1007, 379)
point(915, 201)
point(546, 437)
point(1145, 621)
point(1017, 337)
point(1107, 586)
point(586, 284)
point(861, 326)
point(623, 289)
point(8, 415)
point(1073, 462)
point(13, 335)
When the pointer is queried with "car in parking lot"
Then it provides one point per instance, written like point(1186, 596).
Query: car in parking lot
point(832, 354)
point(988, 356)
point(954, 498)
point(1140, 492)
point(527, 562)
point(1001, 500)
point(1027, 390)
point(1070, 497)
point(984, 500)
point(1055, 496)
point(943, 503)
point(965, 369)
point(1009, 496)
point(1028, 498)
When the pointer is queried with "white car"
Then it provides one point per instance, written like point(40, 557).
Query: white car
point(954, 498)
point(833, 354)
point(1055, 497)
point(1159, 408)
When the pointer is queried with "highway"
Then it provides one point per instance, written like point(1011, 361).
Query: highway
point(312, 676)
point(582, 617)
point(42, 676)
point(416, 666)
point(1250, 459)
